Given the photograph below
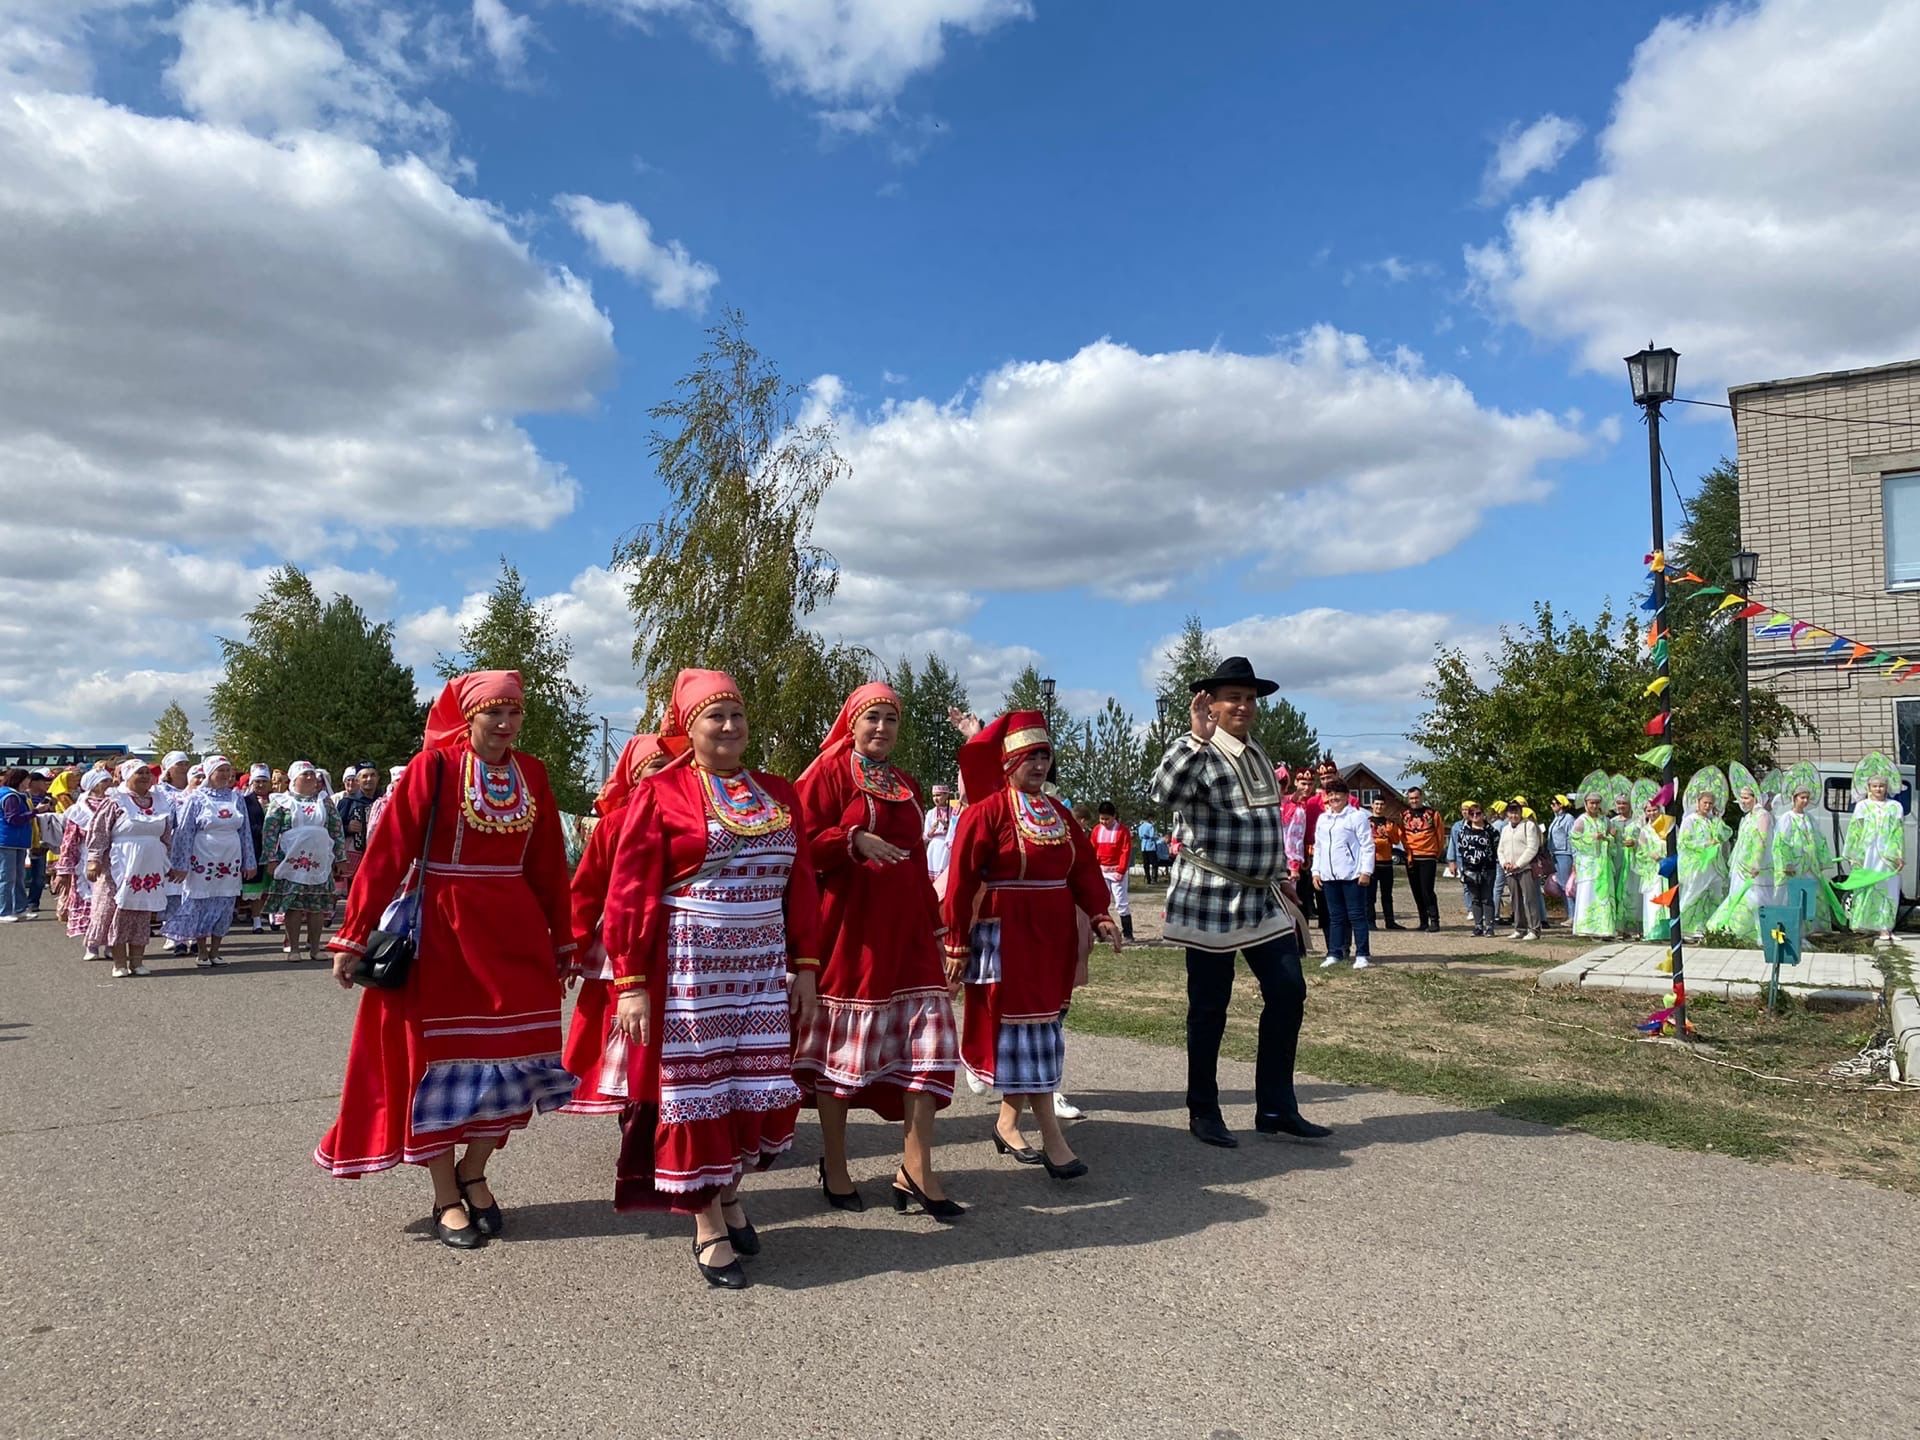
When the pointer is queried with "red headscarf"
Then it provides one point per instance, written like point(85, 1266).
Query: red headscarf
point(694, 691)
point(839, 742)
point(989, 755)
point(626, 774)
point(462, 698)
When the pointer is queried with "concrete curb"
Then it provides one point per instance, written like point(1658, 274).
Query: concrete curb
point(1903, 1009)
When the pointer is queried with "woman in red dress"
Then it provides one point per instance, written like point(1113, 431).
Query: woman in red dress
point(710, 925)
point(1021, 868)
point(595, 1050)
point(469, 1047)
point(883, 1036)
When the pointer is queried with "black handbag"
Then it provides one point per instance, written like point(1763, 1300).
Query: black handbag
point(390, 953)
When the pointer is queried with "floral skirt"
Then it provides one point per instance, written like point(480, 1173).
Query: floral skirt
point(284, 897)
point(206, 918)
point(110, 925)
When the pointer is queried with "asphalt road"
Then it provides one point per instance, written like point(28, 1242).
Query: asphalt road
point(175, 1266)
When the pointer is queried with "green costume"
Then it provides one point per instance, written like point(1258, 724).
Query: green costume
point(1800, 849)
point(1703, 851)
point(1876, 840)
point(1750, 867)
point(1596, 882)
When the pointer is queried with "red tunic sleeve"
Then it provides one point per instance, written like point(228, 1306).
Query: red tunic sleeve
point(546, 862)
point(975, 839)
point(918, 859)
point(394, 846)
point(1084, 880)
point(823, 795)
point(592, 876)
point(803, 887)
point(633, 924)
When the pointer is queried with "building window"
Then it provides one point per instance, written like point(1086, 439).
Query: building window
point(1906, 730)
point(1900, 519)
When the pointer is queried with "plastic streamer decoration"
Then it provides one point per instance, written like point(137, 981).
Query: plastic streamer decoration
point(1843, 650)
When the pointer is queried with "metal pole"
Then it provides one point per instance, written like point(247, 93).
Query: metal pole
point(1746, 685)
point(1675, 958)
point(606, 750)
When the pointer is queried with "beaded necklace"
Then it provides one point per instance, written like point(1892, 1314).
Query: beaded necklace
point(739, 803)
point(879, 779)
point(1037, 818)
point(495, 798)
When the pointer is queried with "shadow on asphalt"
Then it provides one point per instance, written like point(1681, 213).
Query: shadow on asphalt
point(13, 1025)
point(1149, 1182)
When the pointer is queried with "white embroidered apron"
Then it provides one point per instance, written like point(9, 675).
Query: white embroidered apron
point(138, 856)
point(214, 868)
point(305, 846)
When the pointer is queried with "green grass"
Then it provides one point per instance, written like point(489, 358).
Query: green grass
point(1556, 1057)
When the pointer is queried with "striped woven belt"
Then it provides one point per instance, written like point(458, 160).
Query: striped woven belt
point(1026, 884)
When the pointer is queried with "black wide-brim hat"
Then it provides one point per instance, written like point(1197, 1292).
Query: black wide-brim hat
point(1234, 670)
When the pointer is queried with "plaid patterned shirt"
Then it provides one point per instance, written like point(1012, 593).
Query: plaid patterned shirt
point(1223, 811)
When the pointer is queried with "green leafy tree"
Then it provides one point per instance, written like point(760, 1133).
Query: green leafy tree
point(1283, 732)
point(1029, 692)
point(729, 573)
point(928, 740)
point(313, 681)
point(514, 633)
point(172, 731)
point(1113, 765)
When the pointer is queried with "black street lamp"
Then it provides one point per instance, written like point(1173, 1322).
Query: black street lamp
point(1746, 570)
point(1651, 373)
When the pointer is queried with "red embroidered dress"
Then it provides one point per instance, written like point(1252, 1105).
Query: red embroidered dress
point(885, 1023)
point(469, 1048)
point(711, 904)
point(1022, 866)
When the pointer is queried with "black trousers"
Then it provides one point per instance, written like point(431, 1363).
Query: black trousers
point(1383, 890)
point(1283, 994)
point(1420, 877)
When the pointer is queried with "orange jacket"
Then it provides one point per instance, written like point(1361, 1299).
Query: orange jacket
point(1425, 833)
point(1386, 835)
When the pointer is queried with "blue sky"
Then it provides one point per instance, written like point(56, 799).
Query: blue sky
point(1305, 320)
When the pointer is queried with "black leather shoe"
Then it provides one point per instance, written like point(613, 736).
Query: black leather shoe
point(850, 1200)
point(946, 1211)
point(1072, 1170)
point(488, 1221)
point(1295, 1124)
point(1212, 1130)
point(1019, 1152)
point(744, 1238)
point(722, 1277)
point(467, 1237)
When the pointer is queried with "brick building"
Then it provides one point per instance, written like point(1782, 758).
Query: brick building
point(1832, 507)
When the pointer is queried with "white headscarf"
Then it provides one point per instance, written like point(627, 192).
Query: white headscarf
point(94, 779)
point(174, 757)
point(127, 767)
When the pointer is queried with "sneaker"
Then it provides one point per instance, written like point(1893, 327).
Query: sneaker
point(29, 914)
point(974, 1082)
point(259, 927)
point(1329, 962)
point(1361, 962)
point(141, 970)
point(121, 972)
point(1064, 1108)
point(216, 959)
point(205, 962)
point(1513, 935)
point(9, 919)
point(1531, 935)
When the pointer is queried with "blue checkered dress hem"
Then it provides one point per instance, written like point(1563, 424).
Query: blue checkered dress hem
point(1029, 1059)
point(454, 1093)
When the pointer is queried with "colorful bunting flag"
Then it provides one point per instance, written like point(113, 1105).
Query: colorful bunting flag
point(1658, 724)
point(1659, 656)
point(1751, 609)
point(1694, 579)
point(1649, 603)
point(1708, 590)
point(1656, 758)
point(1660, 683)
point(1794, 634)
point(1669, 866)
point(1838, 646)
point(1665, 897)
point(1662, 824)
point(1664, 795)
point(1858, 651)
point(1730, 602)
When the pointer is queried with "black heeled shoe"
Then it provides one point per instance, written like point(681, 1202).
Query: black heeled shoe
point(849, 1201)
point(744, 1238)
point(1072, 1170)
point(722, 1277)
point(467, 1237)
point(488, 1221)
point(1019, 1152)
point(946, 1211)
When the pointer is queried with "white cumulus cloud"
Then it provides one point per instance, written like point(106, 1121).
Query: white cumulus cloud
point(505, 34)
point(619, 236)
point(1125, 471)
point(1527, 150)
point(1756, 204)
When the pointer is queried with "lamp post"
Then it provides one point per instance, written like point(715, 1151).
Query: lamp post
point(1651, 374)
point(1746, 569)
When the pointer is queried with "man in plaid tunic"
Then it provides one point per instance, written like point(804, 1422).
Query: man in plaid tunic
point(1224, 897)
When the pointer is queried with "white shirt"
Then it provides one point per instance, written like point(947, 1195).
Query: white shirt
point(1343, 844)
point(940, 844)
